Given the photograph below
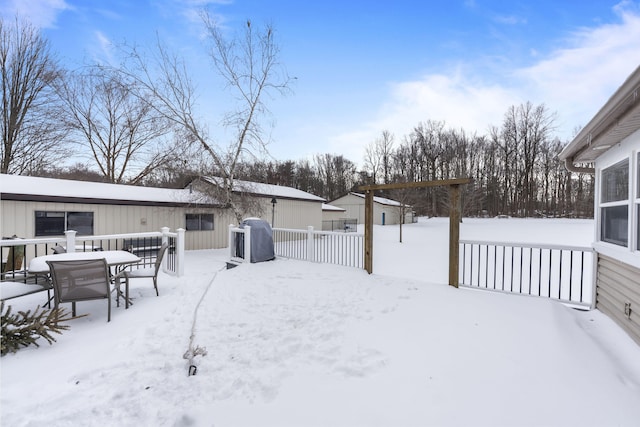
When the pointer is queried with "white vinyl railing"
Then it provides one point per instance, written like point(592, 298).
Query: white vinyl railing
point(558, 272)
point(309, 245)
point(16, 253)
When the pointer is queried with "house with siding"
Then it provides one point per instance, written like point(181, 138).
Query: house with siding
point(609, 147)
point(32, 207)
point(385, 211)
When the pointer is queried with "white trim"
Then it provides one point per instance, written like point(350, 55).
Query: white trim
point(627, 149)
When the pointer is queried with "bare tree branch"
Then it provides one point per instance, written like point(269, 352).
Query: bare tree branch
point(121, 130)
point(31, 134)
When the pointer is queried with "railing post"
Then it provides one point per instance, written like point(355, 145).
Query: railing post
point(180, 251)
point(594, 279)
point(311, 256)
point(165, 239)
point(231, 242)
point(71, 240)
point(247, 243)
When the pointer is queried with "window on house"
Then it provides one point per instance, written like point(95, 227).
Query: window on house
point(199, 221)
point(614, 204)
point(55, 223)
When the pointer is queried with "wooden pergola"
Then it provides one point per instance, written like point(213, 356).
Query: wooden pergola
point(455, 215)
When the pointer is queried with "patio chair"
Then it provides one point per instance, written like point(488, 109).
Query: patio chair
point(80, 280)
point(57, 249)
point(148, 272)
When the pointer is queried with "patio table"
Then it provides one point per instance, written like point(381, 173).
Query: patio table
point(117, 259)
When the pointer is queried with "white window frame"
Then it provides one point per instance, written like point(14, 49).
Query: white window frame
point(615, 203)
point(627, 149)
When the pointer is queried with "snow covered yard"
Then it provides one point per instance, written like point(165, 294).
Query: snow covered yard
point(292, 343)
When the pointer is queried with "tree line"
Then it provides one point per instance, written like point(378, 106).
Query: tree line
point(138, 123)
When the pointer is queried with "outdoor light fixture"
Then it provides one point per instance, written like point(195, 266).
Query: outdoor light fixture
point(273, 210)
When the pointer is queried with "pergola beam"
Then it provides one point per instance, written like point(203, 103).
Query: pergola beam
point(455, 214)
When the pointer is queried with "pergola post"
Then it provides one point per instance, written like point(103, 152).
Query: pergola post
point(368, 231)
point(455, 215)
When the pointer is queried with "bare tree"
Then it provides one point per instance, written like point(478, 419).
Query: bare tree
point(378, 157)
point(121, 131)
point(31, 135)
point(250, 68)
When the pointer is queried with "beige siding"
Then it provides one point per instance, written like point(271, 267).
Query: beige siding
point(333, 215)
point(619, 283)
point(296, 214)
point(354, 207)
point(17, 217)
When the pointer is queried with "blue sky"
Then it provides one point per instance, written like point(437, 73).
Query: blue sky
point(367, 66)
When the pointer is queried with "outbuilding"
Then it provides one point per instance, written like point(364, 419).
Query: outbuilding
point(385, 211)
point(281, 206)
point(32, 207)
point(609, 147)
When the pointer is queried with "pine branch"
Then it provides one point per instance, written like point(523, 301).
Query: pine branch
point(24, 328)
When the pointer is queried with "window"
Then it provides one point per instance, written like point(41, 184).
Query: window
point(614, 204)
point(199, 222)
point(615, 221)
point(52, 223)
point(615, 182)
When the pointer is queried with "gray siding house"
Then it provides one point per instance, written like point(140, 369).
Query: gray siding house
point(610, 147)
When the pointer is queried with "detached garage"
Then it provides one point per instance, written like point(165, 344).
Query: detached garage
point(32, 207)
point(385, 211)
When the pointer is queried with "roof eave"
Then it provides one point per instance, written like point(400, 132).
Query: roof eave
point(617, 119)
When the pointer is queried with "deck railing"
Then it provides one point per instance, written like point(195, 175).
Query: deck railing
point(559, 272)
point(320, 246)
point(17, 253)
point(310, 245)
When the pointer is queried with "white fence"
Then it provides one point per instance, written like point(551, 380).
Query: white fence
point(559, 272)
point(310, 245)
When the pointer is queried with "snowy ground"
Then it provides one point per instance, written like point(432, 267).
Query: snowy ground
point(292, 343)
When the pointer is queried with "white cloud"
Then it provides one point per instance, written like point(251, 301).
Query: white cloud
point(578, 79)
point(41, 13)
point(454, 99)
point(574, 81)
point(103, 53)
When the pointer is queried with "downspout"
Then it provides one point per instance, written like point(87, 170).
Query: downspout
point(571, 167)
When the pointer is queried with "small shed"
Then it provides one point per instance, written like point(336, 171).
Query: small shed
point(609, 147)
point(385, 211)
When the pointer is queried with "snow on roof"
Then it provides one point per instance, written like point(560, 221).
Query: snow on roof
point(269, 190)
point(382, 200)
point(51, 187)
point(328, 207)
